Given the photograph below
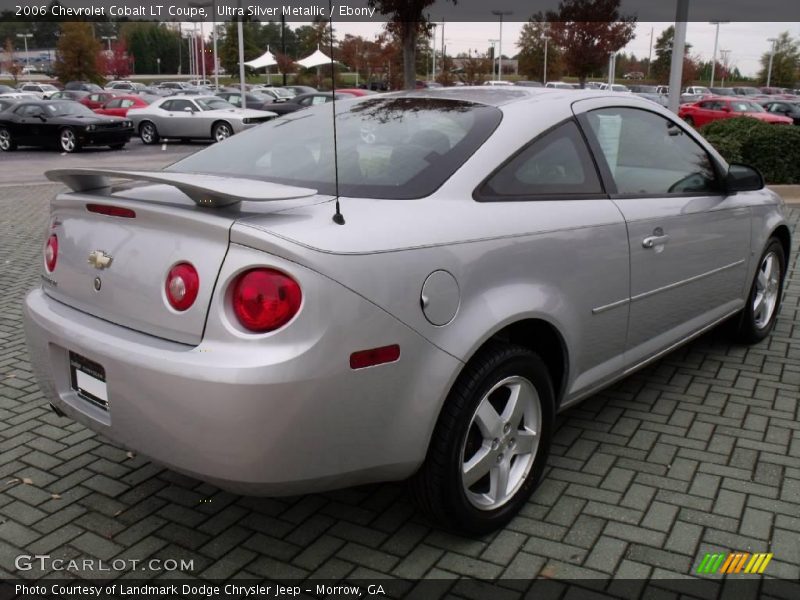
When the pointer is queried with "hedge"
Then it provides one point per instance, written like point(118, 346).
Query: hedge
point(772, 149)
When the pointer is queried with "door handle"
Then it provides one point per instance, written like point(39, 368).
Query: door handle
point(654, 240)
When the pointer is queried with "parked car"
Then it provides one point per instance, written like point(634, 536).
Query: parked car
point(358, 92)
point(7, 102)
point(173, 85)
point(190, 117)
point(85, 86)
point(306, 100)
point(124, 86)
point(785, 108)
point(64, 124)
point(497, 256)
point(97, 99)
point(275, 94)
point(697, 90)
point(300, 89)
point(633, 75)
point(6, 89)
point(560, 85)
point(720, 91)
point(526, 83)
point(42, 90)
point(119, 106)
point(253, 100)
point(75, 95)
point(662, 89)
point(496, 82)
point(715, 108)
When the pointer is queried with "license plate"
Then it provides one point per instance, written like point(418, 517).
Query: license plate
point(89, 380)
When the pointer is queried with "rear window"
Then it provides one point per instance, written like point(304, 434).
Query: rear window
point(392, 148)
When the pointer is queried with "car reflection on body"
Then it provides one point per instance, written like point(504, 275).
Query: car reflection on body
point(64, 124)
point(190, 117)
point(281, 313)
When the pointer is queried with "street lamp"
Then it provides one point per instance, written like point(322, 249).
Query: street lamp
point(108, 38)
point(546, 39)
point(433, 48)
point(501, 14)
point(25, 37)
point(716, 41)
point(725, 54)
point(771, 56)
point(612, 68)
point(494, 57)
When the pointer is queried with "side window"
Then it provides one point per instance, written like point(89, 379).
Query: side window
point(648, 154)
point(114, 103)
point(235, 99)
point(181, 105)
point(166, 105)
point(557, 163)
point(319, 100)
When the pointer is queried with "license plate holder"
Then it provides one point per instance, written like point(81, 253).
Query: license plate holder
point(88, 379)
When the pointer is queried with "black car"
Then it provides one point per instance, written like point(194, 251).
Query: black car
point(304, 101)
point(65, 124)
point(785, 108)
point(254, 101)
point(300, 89)
point(6, 103)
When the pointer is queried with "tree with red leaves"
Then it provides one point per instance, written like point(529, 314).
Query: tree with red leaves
point(587, 31)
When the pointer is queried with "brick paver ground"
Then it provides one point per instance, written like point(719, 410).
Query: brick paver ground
point(699, 452)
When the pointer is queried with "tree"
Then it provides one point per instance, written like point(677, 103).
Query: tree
point(77, 53)
point(407, 23)
point(586, 40)
point(147, 42)
point(476, 68)
point(784, 62)
point(229, 45)
point(11, 66)
point(531, 55)
point(662, 65)
point(117, 64)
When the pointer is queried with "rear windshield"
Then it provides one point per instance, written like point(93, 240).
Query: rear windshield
point(393, 148)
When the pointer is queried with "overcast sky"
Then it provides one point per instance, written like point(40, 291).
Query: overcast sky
point(746, 41)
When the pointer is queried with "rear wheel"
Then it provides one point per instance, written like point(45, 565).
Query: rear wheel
point(68, 141)
point(489, 448)
point(148, 133)
point(689, 121)
point(759, 315)
point(221, 131)
point(7, 143)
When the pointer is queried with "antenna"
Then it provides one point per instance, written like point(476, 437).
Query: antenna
point(338, 217)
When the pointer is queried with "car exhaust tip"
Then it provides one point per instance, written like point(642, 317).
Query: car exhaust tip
point(57, 410)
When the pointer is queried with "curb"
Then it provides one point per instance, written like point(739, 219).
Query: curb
point(790, 193)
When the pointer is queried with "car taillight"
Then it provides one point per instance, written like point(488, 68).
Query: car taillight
point(182, 286)
point(265, 299)
point(51, 253)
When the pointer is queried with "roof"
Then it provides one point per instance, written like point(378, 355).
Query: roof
point(503, 95)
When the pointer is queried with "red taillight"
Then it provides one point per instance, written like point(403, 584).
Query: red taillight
point(51, 253)
point(265, 299)
point(111, 211)
point(374, 356)
point(182, 286)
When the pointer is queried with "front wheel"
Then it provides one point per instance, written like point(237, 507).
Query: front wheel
point(68, 141)
point(689, 121)
point(221, 132)
point(7, 143)
point(759, 315)
point(490, 445)
point(148, 133)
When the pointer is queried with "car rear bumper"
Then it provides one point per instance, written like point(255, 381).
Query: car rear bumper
point(279, 423)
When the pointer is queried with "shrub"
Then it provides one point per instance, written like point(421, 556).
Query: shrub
point(772, 149)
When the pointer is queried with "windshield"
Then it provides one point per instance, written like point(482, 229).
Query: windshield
point(57, 109)
point(749, 91)
point(389, 148)
point(740, 106)
point(213, 104)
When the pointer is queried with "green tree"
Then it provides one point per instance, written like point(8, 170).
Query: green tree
point(146, 42)
point(663, 51)
point(229, 46)
point(588, 30)
point(77, 53)
point(531, 55)
point(784, 62)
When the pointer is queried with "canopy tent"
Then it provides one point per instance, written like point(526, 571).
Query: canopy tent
point(265, 60)
point(318, 59)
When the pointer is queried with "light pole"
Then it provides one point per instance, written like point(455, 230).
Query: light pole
point(501, 14)
point(544, 71)
point(612, 64)
point(158, 63)
point(433, 48)
point(25, 37)
point(108, 38)
point(725, 54)
point(771, 56)
point(714, 56)
point(494, 58)
point(678, 51)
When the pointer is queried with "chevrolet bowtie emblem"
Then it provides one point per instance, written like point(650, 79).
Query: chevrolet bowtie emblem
point(99, 259)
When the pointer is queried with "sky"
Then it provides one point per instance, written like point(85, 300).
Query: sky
point(746, 41)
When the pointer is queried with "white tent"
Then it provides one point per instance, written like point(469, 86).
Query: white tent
point(265, 60)
point(318, 59)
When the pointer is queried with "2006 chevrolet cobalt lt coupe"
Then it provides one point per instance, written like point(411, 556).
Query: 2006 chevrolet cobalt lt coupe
point(277, 317)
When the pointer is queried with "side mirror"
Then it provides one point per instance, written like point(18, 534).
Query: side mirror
point(188, 109)
point(40, 116)
point(741, 178)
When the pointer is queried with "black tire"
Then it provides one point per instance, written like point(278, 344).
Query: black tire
point(438, 487)
point(149, 133)
point(7, 142)
point(68, 140)
point(221, 131)
point(753, 327)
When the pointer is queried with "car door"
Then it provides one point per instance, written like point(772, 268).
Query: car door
point(30, 127)
point(179, 122)
point(688, 240)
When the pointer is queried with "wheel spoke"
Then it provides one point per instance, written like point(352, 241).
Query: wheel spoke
point(525, 442)
point(498, 486)
point(477, 466)
point(515, 406)
point(762, 280)
point(758, 305)
point(487, 420)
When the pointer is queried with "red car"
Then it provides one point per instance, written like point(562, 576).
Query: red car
point(722, 107)
point(97, 99)
point(358, 92)
point(119, 106)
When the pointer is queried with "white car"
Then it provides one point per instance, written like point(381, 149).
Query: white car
point(41, 90)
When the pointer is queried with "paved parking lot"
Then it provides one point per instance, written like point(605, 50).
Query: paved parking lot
point(698, 453)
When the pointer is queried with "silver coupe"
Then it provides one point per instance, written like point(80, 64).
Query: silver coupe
point(196, 117)
point(412, 290)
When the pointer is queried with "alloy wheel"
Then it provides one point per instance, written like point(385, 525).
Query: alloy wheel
point(5, 140)
point(68, 141)
point(768, 281)
point(222, 132)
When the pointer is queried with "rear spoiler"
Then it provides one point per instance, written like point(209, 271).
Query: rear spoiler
point(205, 190)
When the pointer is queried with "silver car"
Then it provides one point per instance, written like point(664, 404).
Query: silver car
point(279, 316)
point(196, 117)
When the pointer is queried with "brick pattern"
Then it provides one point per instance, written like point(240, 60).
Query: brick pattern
point(698, 453)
